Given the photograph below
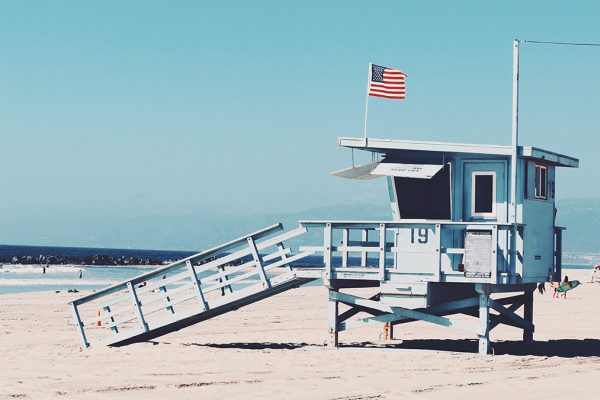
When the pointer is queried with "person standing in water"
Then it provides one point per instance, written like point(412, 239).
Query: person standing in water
point(44, 269)
point(80, 273)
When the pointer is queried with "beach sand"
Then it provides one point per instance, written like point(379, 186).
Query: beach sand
point(274, 349)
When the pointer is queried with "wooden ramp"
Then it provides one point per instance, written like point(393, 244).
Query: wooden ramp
point(192, 290)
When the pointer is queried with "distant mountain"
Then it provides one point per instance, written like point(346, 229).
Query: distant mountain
point(200, 231)
point(188, 232)
point(581, 217)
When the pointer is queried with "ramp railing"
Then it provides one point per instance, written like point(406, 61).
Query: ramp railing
point(204, 281)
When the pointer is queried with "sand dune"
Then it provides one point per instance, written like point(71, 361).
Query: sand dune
point(274, 350)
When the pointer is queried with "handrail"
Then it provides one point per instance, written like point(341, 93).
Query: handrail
point(180, 263)
point(119, 306)
point(403, 224)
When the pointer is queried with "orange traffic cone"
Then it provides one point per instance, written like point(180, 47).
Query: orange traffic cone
point(99, 322)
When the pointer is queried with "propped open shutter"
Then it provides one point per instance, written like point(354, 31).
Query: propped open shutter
point(420, 171)
point(375, 170)
point(362, 171)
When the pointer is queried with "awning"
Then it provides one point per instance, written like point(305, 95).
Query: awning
point(420, 171)
point(375, 170)
point(362, 171)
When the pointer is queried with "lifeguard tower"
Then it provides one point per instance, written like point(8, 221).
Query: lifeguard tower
point(472, 230)
point(453, 241)
point(455, 238)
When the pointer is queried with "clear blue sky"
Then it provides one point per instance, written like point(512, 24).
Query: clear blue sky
point(143, 108)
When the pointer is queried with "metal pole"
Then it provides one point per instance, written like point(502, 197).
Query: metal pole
point(367, 103)
point(515, 130)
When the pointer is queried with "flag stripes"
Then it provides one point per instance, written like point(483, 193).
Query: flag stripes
point(387, 82)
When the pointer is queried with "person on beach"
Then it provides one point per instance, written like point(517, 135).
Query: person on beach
point(596, 274)
point(541, 287)
point(554, 285)
point(566, 281)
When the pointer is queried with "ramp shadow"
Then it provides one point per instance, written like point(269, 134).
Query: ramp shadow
point(251, 345)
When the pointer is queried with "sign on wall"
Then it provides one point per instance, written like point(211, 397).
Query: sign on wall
point(478, 254)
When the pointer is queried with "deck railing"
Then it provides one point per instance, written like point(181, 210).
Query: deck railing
point(373, 250)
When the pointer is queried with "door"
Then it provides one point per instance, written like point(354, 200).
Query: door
point(484, 191)
point(485, 200)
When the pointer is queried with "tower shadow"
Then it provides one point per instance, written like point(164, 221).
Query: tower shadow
point(551, 348)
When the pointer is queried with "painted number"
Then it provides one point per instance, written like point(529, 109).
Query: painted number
point(422, 235)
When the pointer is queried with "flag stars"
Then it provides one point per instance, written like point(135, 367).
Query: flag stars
point(377, 73)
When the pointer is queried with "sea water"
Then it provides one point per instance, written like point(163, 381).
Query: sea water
point(28, 278)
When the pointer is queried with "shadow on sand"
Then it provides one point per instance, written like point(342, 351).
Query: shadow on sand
point(251, 346)
point(552, 348)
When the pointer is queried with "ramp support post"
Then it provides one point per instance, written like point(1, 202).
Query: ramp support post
point(281, 247)
point(221, 268)
point(163, 289)
point(333, 311)
point(79, 325)
point(196, 283)
point(113, 327)
point(138, 307)
point(258, 261)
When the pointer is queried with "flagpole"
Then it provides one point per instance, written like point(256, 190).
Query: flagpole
point(515, 131)
point(367, 103)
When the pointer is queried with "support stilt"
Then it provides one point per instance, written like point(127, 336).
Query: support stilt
point(484, 320)
point(333, 320)
point(528, 315)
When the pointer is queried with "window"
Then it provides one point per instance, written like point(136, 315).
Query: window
point(541, 181)
point(483, 194)
point(425, 198)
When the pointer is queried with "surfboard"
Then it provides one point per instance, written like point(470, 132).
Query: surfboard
point(565, 287)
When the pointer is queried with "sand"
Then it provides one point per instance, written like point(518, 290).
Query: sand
point(274, 349)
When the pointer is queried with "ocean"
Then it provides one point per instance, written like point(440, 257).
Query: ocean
point(16, 278)
point(31, 277)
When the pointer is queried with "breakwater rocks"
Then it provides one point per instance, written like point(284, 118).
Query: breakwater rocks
point(98, 259)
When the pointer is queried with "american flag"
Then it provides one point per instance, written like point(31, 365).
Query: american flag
point(387, 82)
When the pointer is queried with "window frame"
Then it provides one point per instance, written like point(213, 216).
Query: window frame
point(450, 192)
point(483, 215)
point(537, 179)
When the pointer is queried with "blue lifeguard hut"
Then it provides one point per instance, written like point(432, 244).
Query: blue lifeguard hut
point(455, 240)
point(469, 225)
point(455, 237)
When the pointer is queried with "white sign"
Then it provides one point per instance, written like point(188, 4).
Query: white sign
point(478, 254)
point(375, 170)
point(421, 171)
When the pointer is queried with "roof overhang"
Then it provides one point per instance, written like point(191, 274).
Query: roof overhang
point(384, 145)
point(390, 145)
point(549, 157)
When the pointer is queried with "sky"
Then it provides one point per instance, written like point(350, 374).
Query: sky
point(171, 108)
